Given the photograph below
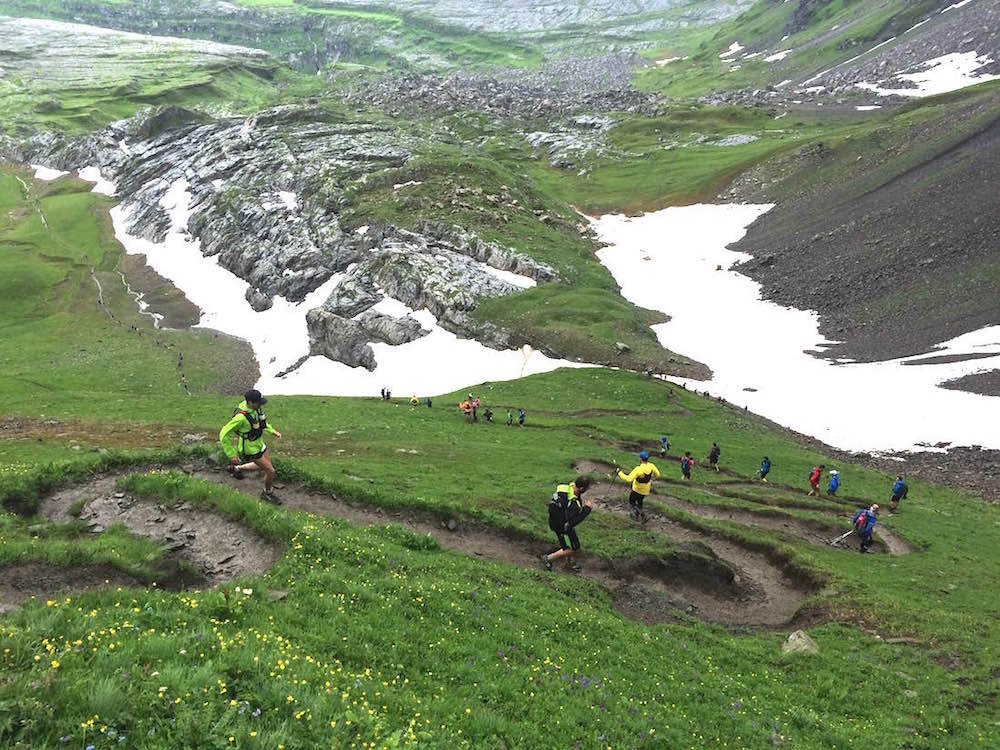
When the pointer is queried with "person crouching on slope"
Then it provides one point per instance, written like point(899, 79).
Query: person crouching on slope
point(864, 521)
point(641, 477)
point(814, 477)
point(249, 452)
point(567, 510)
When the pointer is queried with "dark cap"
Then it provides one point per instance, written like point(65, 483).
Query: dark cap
point(253, 397)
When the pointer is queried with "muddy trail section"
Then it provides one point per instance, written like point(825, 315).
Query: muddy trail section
point(818, 533)
point(704, 578)
point(215, 548)
point(18, 583)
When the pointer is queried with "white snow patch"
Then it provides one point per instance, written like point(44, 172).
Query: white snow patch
point(916, 25)
point(666, 61)
point(524, 282)
point(940, 75)
point(102, 186)
point(779, 55)
point(47, 173)
point(811, 90)
point(783, 83)
point(956, 6)
point(411, 183)
point(867, 107)
point(752, 55)
point(733, 49)
point(361, 231)
point(757, 344)
point(289, 199)
point(217, 184)
point(437, 363)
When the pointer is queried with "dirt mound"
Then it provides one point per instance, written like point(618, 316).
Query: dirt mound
point(220, 549)
point(18, 583)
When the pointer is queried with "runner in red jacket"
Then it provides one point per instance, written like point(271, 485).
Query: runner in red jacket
point(814, 478)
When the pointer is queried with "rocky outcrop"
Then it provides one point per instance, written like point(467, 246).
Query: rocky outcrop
point(390, 330)
point(264, 195)
point(339, 339)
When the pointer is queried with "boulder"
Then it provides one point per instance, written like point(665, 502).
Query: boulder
point(339, 339)
point(799, 643)
point(390, 330)
point(258, 300)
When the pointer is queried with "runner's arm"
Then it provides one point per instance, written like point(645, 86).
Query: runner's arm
point(228, 448)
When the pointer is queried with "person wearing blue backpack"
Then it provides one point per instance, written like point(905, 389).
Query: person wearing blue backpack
point(664, 446)
point(864, 522)
point(765, 468)
point(899, 490)
point(834, 485)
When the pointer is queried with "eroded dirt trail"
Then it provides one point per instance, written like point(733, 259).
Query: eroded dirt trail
point(769, 518)
point(219, 548)
point(18, 583)
point(642, 588)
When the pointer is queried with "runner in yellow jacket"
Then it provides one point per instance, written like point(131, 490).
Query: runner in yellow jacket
point(641, 477)
point(249, 453)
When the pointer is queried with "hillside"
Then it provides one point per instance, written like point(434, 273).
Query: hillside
point(598, 213)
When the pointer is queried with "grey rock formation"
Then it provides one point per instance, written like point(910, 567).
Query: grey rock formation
point(390, 330)
point(258, 300)
point(339, 339)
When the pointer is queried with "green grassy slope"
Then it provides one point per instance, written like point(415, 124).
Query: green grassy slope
point(385, 640)
point(820, 33)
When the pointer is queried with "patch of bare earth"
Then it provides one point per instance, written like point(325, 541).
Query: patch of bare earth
point(219, 548)
point(18, 583)
point(695, 581)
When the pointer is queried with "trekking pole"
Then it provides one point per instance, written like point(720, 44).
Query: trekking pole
point(841, 538)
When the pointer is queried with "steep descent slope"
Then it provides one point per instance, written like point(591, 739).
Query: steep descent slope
point(899, 252)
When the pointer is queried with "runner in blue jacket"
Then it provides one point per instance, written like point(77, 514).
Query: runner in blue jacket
point(831, 489)
point(899, 490)
point(765, 468)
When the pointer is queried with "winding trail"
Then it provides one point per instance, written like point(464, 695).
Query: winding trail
point(707, 577)
point(769, 517)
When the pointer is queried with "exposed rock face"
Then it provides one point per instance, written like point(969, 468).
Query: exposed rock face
point(258, 300)
point(390, 330)
point(565, 87)
point(264, 195)
point(339, 339)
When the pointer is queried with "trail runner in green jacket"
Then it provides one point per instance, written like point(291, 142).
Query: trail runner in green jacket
point(248, 452)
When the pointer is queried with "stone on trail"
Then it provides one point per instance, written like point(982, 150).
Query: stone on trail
point(799, 643)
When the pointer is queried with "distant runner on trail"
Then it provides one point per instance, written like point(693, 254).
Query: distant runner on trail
point(664, 446)
point(249, 452)
point(520, 417)
point(488, 414)
point(834, 485)
point(814, 477)
point(510, 417)
point(713, 456)
point(864, 521)
point(641, 477)
point(899, 490)
point(686, 463)
point(765, 468)
point(567, 510)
